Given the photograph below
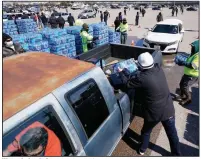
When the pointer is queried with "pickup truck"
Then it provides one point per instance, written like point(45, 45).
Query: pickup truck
point(71, 98)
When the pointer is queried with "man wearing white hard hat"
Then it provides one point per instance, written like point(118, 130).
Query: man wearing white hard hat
point(157, 104)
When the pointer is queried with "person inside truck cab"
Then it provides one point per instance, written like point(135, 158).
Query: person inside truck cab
point(35, 140)
point(156, 101)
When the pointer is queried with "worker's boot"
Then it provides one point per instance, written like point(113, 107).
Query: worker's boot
point(188, 98)
point(181, 95)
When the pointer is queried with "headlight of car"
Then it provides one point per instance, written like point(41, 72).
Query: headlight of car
point(172, 43)
point(146, 41)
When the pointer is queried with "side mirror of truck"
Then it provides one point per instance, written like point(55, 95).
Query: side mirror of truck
point(182, 31)
point(150, 29)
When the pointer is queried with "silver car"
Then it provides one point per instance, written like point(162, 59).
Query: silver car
point(88, 13)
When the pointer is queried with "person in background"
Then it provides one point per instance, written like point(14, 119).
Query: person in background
point(124, 11)
point(53, 21)
point(10, 17)
point(117, 23)
point(44, 20)
point(86, 38)
point(159, 17)
point(106, 14)
point(123, 28)
point(60, 21)
point(191, 73)
point(157, 104)
point(35, 140)
point(9, 48)
point(137, 19)
point(173, 10)
point(40, 24)
point(176, 10)
point(25, 16)
point(71, 20)
point(120, 17)
point(101, 16)
point(143, 12)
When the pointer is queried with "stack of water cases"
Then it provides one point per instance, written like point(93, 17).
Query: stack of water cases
point(75, 30)
point(21, 39)
point(9, 27)
point(100, 31)
point(114, 37)
point(26, 25)
point(180, 58)
point(60, 42)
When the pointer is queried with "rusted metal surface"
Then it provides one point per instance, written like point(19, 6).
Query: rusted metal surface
point(28, 77)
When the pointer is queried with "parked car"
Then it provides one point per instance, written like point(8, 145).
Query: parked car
point(88, 13)
point(166, 34)
point(137, 7)
point(80, 107)
point(156, 8)
point(191, 9)
point(64, 15)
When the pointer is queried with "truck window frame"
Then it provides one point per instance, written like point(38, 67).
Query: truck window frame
point(33, 118)
point(67, 99)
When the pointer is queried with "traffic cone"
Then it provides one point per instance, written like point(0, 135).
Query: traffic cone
point(130, 29)
point(112, 25)
point(132, 43)
point(139, 26)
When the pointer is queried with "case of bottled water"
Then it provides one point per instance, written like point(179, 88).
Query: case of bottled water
point(128, 64)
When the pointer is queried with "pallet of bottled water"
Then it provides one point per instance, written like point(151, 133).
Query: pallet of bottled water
point(26, 25)
point(114, 37)
point(60, 42)
point(9, 27)
point(180, 58)
point(100, 31)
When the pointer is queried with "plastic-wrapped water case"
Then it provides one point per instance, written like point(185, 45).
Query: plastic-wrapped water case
point(20, 38)
point(46, 50)
point(55, 41)
point(35, 47)
point(44, 44)
point(180, 58)
point(128, 64)
point(25, 46)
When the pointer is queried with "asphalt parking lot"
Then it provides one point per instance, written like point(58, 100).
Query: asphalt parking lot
point(187, 119)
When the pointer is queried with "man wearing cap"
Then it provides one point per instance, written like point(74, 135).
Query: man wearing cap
point(87, 39)
point(123, 28)
point(156, 101)
point(191, 73)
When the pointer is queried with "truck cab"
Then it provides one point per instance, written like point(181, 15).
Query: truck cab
point(72, 99)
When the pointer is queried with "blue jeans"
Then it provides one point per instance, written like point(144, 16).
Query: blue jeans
point(170, 129)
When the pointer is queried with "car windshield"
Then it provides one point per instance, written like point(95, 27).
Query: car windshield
point(170, 29)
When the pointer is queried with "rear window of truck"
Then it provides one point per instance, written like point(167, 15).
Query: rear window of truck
point(88, 103)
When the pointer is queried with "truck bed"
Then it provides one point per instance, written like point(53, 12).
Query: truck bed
point(111, 52)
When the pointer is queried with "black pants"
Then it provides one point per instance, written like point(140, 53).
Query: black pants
point(185, 83)
point(136, 22)
point(170, 129)
point(70, 24)
point(105, 21)
point(61, 26)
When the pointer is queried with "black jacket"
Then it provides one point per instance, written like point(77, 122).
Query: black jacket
point(117, 23)
point(44, 19)
point(60, 20)
point(53, 21)
point(71, 19)
point(9, 51)
point(155, 96)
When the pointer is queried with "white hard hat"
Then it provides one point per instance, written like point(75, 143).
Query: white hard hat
point(145, 60)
